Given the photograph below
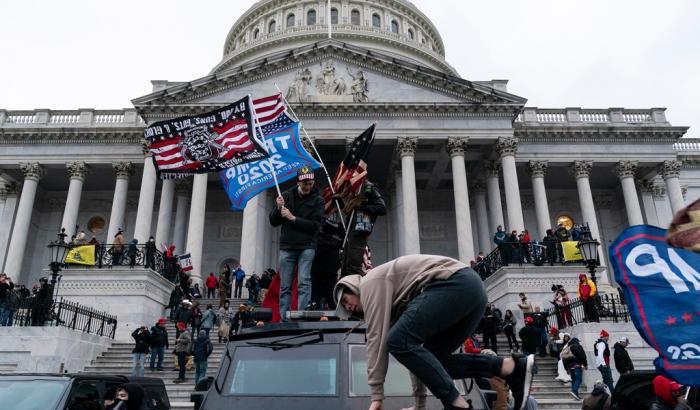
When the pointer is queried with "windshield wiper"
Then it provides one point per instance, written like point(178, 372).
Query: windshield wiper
point(280, 344)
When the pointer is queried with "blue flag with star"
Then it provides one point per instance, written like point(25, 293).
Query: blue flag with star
point(662, 290)
point(287, 154)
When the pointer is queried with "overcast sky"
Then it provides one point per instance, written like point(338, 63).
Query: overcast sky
point(557, 53)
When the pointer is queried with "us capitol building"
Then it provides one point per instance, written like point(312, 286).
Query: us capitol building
point(454, 158)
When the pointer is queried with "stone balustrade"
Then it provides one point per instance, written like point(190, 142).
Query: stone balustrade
point(578, 116)
point(61, 118)
point(687, 145)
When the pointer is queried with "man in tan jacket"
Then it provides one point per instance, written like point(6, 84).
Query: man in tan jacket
point(421, 308)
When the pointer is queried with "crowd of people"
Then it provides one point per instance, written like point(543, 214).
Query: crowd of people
point(35, 305)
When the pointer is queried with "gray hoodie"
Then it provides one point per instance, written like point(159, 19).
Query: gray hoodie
point(384, 293)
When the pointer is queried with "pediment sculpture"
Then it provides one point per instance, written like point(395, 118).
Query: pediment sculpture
point(330, 85)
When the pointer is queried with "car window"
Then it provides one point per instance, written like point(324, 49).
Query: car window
point(396, 383)
point(300, 371)
point(32, 394)
point(85, 396)
point(155, 397)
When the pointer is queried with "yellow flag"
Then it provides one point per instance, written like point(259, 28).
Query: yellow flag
point(571, 252)
point(81, 255)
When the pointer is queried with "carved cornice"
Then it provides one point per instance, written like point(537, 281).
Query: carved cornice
point(492, 168)
point(456, 146)
point(670, 169)
point(581, 169)
point(77, 169)
point(407, 146)
point(31, 170)
point(86, 135)
point(584, 133)
point(537, 169)
point(507, 146)
point(123, 170)
point(183, 187)
point(659, 191)
point(626, 169)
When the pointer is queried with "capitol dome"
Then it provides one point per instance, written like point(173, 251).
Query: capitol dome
point(395, 27)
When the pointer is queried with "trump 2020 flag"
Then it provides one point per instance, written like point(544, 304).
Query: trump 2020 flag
point(662, 290)
point(287, 154)
point(207, 142)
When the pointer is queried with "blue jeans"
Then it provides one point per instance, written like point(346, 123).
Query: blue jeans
point(576, 379)
point(139, 359)
point(3, 312)
point(200, 371)
point(159, 352)
point(434, 325)
point(303, 259)
point(607, 377)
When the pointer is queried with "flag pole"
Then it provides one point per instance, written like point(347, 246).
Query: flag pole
point(308, 137)
point(262, 139)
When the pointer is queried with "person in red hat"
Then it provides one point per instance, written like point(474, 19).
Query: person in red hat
point(602, 359)
point(669, 395)
point(159, 342)
point(530, 336)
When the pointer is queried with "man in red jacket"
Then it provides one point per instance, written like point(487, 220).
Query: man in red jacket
point(212, 282)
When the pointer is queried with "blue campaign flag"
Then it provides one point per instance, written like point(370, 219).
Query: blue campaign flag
point(662, 290)
point(244, 181)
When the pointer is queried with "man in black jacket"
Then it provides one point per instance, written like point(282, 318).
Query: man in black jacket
point(300, 213)
point(623, 363)
point(574, 359)
point(530, 336)
point(159, 342)
point(202, 349)
point(142, 338)
point(365, 208)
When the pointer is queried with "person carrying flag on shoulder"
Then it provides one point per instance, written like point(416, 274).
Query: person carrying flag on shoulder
point(364, 208)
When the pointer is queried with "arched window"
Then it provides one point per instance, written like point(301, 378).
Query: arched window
point(256, 34)
point(376, 20)
point(355, 17)
point(334, 16)
point(394, 26)
point(410, 34)
point(311, 18)
point(272, 27)
point(290, 20)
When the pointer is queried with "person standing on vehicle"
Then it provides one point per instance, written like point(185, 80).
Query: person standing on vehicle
point(364, 208)
point(623, 363)
point(669, 395)
point(182, 349)
point(574, 358)
point(300, 213)
point(202, 350)
point(130, 396)
point(239, 274)
point(602, 359)
point(158, 342)
point(143, 340)
point(420, 308)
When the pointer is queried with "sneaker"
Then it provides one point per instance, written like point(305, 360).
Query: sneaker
point(576, 396)
point(520, 381)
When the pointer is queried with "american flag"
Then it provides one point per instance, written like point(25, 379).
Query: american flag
point(216, 140)
point(352, 172)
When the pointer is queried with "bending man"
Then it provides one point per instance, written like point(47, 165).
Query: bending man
point(421, 308)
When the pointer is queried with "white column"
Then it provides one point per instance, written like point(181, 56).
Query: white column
point(646, 188)
point(18, 241)
point(494, 192)
point(123, 171)
point(165, 211)
point(465, 241)
point(183, 189)
point(398, 218)
point(662, 205)
point(77, 171)
point(625, 170)
point(482, 218)
point(582, 171)
point(671, 171)
point(537, 170)
point(253, 235)
point(195, 230)
point(8, 193)
point(407, 148)
point(144, 215)
point(507, 148)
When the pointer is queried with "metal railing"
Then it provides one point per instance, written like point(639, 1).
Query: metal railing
point(110, 255)
point(35, 311)
point(514, 253)
point(602, 308)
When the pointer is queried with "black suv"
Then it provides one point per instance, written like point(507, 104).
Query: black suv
point(307, 365)
point(83, 391)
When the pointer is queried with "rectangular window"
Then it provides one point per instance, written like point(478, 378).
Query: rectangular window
point(300, 371)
